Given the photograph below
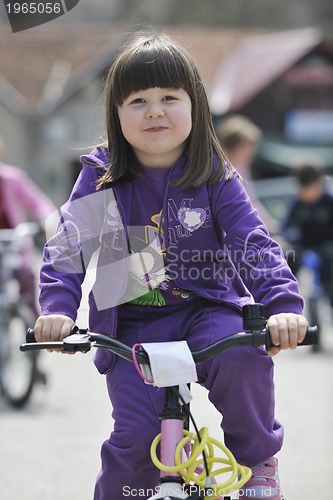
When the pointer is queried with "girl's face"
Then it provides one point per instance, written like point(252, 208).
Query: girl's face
point(156, 122)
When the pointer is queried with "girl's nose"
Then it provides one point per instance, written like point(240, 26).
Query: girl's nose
point(155, 111)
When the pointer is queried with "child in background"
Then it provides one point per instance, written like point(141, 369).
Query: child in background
point(308, 224)
point(181, 250)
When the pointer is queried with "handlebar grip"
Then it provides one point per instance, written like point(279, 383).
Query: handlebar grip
point(31, 339)
point(311, 338)
point(30, 336)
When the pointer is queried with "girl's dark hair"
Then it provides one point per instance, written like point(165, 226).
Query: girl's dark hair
point(153, 60)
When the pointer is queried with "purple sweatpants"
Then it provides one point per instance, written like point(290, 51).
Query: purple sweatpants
point(240, 385)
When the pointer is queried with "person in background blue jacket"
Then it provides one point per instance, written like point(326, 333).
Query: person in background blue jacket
point(308, 224)
point(181, 250)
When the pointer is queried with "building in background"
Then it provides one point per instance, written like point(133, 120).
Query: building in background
point(284, 83)
point(51, 106)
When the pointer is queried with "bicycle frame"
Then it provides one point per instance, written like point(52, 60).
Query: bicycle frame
point(172, 418)
point(172, 425)
point(314, 290)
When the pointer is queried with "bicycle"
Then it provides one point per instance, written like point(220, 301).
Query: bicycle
point(18, 374)
point(310, 265)
point(187, 459)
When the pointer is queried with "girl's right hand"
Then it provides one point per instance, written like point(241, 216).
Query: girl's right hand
point(53, 328)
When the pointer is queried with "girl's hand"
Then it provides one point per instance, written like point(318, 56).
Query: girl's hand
point(53, 328)
point(287, 331)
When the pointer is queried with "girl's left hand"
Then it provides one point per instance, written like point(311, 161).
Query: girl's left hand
point(287, 331)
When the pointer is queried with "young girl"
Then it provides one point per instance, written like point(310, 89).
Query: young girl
point(181, 250)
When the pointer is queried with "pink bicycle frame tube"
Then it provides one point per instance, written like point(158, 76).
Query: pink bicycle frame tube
point(171, 434)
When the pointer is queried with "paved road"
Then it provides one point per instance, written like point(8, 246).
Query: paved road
point(50, 450)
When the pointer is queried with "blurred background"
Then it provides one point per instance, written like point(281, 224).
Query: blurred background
point(269, 61)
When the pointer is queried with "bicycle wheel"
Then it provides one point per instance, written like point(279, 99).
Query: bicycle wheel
point(17, 370)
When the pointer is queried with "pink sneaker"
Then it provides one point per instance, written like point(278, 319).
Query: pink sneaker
point(264, 483)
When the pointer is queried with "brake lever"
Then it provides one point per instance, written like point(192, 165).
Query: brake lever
point(77, 342)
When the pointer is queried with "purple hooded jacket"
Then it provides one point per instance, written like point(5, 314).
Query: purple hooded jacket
point(217, 246)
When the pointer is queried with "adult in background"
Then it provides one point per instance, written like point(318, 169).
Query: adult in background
point(240, 139)
point(21, 200)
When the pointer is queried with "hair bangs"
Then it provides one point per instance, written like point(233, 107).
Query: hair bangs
point(151, 65)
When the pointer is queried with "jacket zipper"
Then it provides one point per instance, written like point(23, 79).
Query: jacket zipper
point(126, 238)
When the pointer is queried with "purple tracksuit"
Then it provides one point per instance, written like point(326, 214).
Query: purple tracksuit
point(218, 256)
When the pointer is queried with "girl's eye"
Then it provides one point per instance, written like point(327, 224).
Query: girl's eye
point(169, 98)
point(138, 100)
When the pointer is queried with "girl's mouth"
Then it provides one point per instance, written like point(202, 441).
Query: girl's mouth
point(157, 128)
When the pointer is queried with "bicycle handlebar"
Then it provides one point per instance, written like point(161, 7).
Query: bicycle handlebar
point(82, 340)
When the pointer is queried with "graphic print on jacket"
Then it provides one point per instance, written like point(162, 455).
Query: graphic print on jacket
point(149, 278)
